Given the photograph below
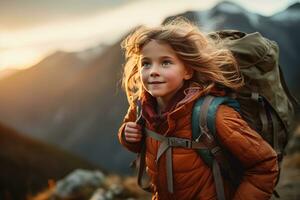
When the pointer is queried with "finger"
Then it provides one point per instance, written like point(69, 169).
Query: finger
point(132, 130)
point(134, 125)
point(133, 135)
point(133, 140)
point(131, 124)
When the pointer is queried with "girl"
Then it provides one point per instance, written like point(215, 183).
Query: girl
point(167, 69)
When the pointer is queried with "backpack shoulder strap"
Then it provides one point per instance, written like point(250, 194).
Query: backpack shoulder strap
point(203, 129)
point(211, 115)
point(202, 117)
point(203, 120)
point(197, 132)
point(140, 162)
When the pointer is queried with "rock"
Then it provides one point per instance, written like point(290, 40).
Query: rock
point(99, 195)
point(79, 181)
point(116, 189)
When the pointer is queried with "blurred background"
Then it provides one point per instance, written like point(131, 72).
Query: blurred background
point(61, 101)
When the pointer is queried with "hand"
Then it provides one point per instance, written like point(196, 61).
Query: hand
point(133, 132)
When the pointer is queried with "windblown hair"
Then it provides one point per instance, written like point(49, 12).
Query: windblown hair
point(212, 63)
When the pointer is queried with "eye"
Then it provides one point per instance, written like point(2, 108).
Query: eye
point(145, 64)
point(166, 62)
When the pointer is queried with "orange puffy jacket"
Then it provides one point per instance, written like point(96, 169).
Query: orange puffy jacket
point(192, 178)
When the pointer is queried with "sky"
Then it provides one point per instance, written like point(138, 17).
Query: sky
point(31, 29)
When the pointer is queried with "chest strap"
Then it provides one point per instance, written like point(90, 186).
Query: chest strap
point(166, 146)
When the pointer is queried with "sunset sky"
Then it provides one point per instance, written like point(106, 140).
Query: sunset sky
point(31, 29)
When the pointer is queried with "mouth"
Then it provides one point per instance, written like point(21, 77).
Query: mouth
point(155, 82)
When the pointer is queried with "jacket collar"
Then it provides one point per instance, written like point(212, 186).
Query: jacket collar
point(190, 92)
point(187, 94)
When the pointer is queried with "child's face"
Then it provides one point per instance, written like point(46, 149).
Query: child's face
point(161, 71)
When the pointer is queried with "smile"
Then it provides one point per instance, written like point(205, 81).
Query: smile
point(155, 82)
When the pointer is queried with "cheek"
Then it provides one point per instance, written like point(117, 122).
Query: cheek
point(173, 76)
point(174, 79)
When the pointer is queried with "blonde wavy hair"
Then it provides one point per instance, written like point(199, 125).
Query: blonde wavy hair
point(212, 63)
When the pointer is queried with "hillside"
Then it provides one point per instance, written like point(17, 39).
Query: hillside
point(77, 96)
point(27, 164)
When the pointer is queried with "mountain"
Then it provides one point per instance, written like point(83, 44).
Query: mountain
point(66, 97)
point(28, 164)
point(288, 16)
point(74, 99)
point(282, 27)
point(35, 90)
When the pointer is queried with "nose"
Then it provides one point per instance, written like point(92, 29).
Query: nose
point(154, 70)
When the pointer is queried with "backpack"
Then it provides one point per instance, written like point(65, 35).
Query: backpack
point(264, 103)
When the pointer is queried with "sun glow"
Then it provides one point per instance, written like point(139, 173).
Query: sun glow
point(20, 58)
point(23, 48)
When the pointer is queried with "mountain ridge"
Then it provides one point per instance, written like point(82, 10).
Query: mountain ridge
point(28, 164)
point(79, 106)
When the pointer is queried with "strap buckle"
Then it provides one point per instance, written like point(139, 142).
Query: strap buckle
point(215, 150)
point(179, 142)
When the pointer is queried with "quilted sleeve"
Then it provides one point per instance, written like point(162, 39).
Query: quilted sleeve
point(129, 117)
point(256, 155)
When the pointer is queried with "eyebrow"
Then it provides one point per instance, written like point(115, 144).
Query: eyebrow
point(162, 57)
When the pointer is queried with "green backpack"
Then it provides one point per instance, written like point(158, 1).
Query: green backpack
point(264, 102)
